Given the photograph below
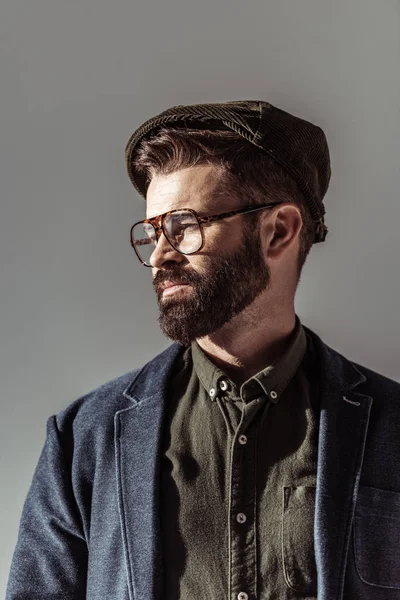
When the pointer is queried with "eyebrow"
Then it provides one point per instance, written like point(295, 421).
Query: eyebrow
point(199, 212)
point(167, 211)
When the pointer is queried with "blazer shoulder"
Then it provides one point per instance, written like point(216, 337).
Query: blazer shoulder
point(97, 405)
point(94, 411)
point(378, 382)
point(337, 363)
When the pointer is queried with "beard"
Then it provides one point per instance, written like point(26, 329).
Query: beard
point(233, 282)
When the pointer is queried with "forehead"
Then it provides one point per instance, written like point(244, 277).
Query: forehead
point(197, 187)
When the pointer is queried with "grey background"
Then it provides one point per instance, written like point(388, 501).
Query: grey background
point(77, 78)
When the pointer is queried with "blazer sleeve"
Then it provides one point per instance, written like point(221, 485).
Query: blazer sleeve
point(51, 554)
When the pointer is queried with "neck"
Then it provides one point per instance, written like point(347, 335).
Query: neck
point(249, 342)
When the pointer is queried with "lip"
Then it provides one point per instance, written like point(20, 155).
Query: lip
point(170, 283)
point(171, 288)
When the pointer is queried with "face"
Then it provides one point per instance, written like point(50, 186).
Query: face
point(224, 277)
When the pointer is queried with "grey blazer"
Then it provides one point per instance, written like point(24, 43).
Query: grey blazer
point(90, 527)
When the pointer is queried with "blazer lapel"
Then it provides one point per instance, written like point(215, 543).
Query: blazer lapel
point(137, 438)
point(343, 428)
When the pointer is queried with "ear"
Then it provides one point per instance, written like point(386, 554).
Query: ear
point(284, 226)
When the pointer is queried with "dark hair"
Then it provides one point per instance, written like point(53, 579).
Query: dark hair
point(246, 171)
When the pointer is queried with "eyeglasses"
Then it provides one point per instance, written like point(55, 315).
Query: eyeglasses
point(183, 228)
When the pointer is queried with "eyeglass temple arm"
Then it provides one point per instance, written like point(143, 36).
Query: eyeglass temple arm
point(226, 215)
point(156, 221)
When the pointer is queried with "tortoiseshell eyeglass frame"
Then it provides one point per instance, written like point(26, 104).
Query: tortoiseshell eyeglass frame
point(158, 224)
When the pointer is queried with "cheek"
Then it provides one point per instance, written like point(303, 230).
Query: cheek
point(223, 237)
point(199, 263)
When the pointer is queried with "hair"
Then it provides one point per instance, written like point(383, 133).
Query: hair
point(246, 171)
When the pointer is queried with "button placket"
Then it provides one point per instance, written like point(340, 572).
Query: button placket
point(242, 540)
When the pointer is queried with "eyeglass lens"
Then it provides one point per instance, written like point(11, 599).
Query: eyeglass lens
point(181, 229)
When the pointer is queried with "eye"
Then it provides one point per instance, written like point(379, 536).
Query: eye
point(188, 225)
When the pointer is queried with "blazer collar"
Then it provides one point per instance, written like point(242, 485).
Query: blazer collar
point(335, 369)
point(153, 376)
point(344, 418)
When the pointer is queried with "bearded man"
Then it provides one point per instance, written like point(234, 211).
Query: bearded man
point(248, 460)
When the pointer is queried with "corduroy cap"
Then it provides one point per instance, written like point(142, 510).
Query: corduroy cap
point(299, 146)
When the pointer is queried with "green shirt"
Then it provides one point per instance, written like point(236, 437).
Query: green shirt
point(238, 479)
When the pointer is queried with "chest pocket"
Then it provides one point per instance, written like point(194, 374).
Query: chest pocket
point(299, 567)
point(377, 537)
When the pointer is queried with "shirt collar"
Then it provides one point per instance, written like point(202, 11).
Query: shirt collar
point(271, 381)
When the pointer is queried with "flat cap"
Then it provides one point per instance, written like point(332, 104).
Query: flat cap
point(300, 147)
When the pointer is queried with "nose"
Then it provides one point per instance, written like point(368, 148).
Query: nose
point(164, 252)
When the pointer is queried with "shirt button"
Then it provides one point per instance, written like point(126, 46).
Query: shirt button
point(223, 385)
point(212, 392)
point(241, 518)
point(273, 394)
point(242, 439)
point(242, 596)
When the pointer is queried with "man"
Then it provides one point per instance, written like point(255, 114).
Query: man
point(249, 459)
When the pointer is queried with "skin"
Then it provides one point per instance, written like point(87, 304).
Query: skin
point(257, 334)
